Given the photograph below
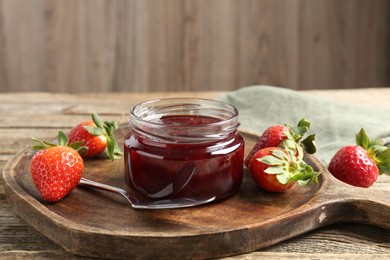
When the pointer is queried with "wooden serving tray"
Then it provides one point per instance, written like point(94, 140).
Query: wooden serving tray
point(100, 224)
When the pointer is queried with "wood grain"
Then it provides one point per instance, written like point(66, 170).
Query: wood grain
point(174, 45)
point(250, 220)
point(20, 241)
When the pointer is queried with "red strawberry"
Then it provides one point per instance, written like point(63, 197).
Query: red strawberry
point(56, 170)
point(275, 169)
point(97, 136)
point(359, 165)
point(285, 135)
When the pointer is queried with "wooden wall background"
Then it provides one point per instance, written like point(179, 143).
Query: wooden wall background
point(169, 45)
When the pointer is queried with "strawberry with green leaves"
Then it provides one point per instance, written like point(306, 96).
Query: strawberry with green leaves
point(285, 135)
point(276, 169)
point(56, 169)
point(359, 165)
point(98, 136)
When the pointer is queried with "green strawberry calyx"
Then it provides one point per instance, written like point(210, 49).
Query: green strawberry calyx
point(106, 129)
point(62, 140)
point(288, 167)
point(294, 139)
point(376, 150)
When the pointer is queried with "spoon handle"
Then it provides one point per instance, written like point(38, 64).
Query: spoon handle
point(133, 201)
point(101, 186)
point(158, 204)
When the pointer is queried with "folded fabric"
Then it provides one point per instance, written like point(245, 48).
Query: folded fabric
point(335, 123)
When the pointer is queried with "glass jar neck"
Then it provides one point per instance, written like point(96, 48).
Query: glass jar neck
point(184, 120)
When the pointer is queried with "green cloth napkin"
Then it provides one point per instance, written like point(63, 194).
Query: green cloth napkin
point(335, 123)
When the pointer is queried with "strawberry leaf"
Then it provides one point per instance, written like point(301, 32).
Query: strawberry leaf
point(384, 155)
point(378, 148)
point(384, 168)
point(289, 144)
point(299, 131)
point(309, 144)
point(112, 145)
point(283, 178)
point(82, 150)
point(110, 149)
point(62, 139)
point(117, 149)
point(43, 144)
point(386, 141)
point(304, 122)
point(288, 135)
point(304, 182)
point(299, 152)
point(270, 160)
point(95, 131)
point(48, 144)
point(378, 142)
point(362, 139)
point(39, 147)
point(305, 175)
point(279, 154)
point(96, 120)
point(110, 125)
point(274, 170)
point(116, 125)
point(77, 145)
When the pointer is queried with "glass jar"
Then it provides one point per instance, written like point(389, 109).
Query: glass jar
point(184, 148)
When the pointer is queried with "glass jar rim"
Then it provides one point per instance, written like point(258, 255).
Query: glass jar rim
point(145, 119)
point(153, 101)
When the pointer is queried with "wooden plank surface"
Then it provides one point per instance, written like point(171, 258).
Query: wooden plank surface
point(250, 220)
point(19, 240)
point(179, 45)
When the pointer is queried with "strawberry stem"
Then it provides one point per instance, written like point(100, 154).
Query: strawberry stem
point(286, 167)
point(376, 150)
point(62, 140)
point(107, 129)
point(295, 134)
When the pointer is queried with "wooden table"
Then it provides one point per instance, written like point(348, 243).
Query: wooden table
point(24, 115)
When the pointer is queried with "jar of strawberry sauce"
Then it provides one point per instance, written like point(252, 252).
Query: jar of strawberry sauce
point(184, 148)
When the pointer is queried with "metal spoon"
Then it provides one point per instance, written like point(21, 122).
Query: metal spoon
point(137, 204)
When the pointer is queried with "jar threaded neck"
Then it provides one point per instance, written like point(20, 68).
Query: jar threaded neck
point(184, 120)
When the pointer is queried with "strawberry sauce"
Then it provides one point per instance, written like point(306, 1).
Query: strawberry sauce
point(188, 162)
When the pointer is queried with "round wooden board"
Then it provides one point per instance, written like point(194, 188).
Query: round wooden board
point(100, 224)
